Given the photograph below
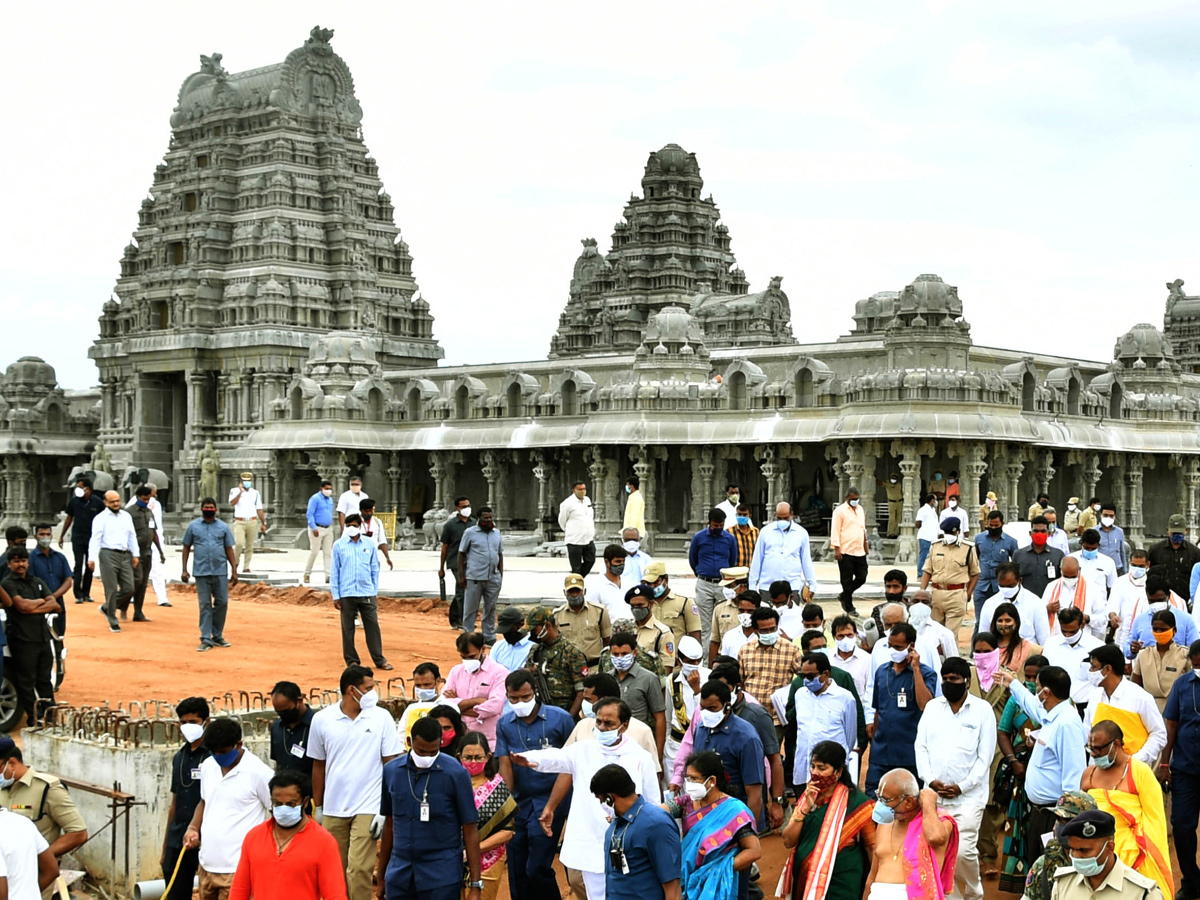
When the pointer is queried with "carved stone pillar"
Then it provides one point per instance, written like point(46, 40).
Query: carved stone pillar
point(437, 471)
point(19, 475)
point(1192, 468)
point(195, 409)
point(1091, 477)
point(1135, 468)
point(768, 463)
point(396, 499)
point(542, 470)
point(908, 456)
point(332, 464)
point(835, 454)
point(598, 472)
point(1014, 465)
point(490, 469)
point(643, 466)
point(972, 466)
point(853, 469)
point(1044, 470)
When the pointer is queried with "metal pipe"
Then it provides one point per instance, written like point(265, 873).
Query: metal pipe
point(153, 890)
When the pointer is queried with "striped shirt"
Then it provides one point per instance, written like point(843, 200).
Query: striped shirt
point(746, 538)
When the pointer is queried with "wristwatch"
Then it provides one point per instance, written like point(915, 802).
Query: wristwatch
point(475, 884)
point(779, 800)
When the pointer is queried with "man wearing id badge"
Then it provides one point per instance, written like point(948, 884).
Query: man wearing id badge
point(645, 855)
point(899, 698)
point(289, 732)
point(429, 819)
point(185, 796)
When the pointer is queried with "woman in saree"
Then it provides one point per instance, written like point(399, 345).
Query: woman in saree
point(1127, 790)
point(1014, 649)
point(720, 843)
point(1008, 787)
point(832, 833)
point(496, 808)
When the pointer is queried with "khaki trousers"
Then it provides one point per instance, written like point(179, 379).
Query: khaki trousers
point(359, 851)
point(321, 543)
point(244, 534)
point(950, 608)
point(214, 885)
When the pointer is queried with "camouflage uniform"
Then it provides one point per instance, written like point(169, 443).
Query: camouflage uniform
point(561, 664)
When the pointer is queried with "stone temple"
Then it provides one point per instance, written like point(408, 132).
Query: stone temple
point(266, 317)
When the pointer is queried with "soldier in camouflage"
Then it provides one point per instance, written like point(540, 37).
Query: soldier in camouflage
point(559, 666)
point(644, 659)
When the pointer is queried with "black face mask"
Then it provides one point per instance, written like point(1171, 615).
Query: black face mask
point(290, 716)
point(954, 692)
point(893, 598)
point(208, 513)
point(486, 526)
point(514, 637)
point(995, 531)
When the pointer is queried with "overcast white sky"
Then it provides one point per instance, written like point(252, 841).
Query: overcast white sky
point(1041, 156)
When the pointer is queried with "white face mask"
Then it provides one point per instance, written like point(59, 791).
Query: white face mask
point(952, 503)
point(949, 539)
point(847, 644)
point(631, 547)
point(1095, 507)
point(1107, 521)
point(424, 762)
point(1070, 582)
point(425, 695)
point(1073, 639)
point(744, 619)
point(471, 665)
point(1071, 507)
point(919, 614)
point(711, 718)
point(353, 531)
point(854, 502)
point(586, 710)
point(1009, 592)
point(191, 732)
point(729, 593)
point(79, 492)
point(1160, 606)
point(327, 492)
point(696, 792)
point(369, 699)
point(465, 512)
point(523, 708)
point(898, 656)
point(688, 669)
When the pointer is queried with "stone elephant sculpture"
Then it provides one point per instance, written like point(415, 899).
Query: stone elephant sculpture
point(135, 477)
point(101, 481)
point(434, 519)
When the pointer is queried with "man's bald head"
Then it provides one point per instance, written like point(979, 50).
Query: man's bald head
point(1070, 567)
point(920, 596)
point(783, 511)
point(112, 500)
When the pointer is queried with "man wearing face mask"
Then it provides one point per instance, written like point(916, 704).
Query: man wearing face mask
point(577, 519)
point(1039, 507)
point(712, 549)
point(354, 582)
point(1112, 538)
point(513, 649)
point(1177, 554)
point(427, 693)
point(1059, 538)
point(1129, 705)
point(481, 565)
point(848, 541)
point(655, 638)
point(290, 730)
point(894, 614)
point(941, 639)
point(1069, 649)
point(745, 534)
point(677, 612)
point(956, 740)
point(737, 638)
point(954, 508)
point(560, 663)
point(583, 851)
point(350, 743)
point(1089, 516)
point(952, 567)
point(783, 553)
point(1039, 884)
point(600, 686)
point(320, 528)
point(738, 744)
point(1095, 866)
point(733, 498)
point(212, 540)
point(228, 807)
point(1035, 625)
point(1158, 667)
point(994, 548)
point(476, 685)
point(895, 501)
point(114, 544)
point(903, 688)
point(429, 825)
point(636, 559)
point(1158, 599)
point(928, 528)
point(185, 796)
point(642, 841)
point(791, 613)
point(608, 588)
point(452, 533)
point(146, 529)
point(1040, 563)
point(586, 625)
point(635, 505)
point(1128, 598)
point(248, 518)
point(1074, 592)
point(683, 697)
point(531, 725)
point(641, 689)
point(819, 711)
point(82, 507)
point(1094, 567)
point(734, 583)
point(911, 824)
point(52, 567)
point(1070, 522)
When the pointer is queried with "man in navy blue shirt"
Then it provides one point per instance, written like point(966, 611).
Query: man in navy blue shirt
point(532, 725)
point(52, 567)
point(994, 548)
point(735, 740)
point(644, 855)
point(899, 700)
point(82, 508)
point(429, 817)
point(1180, 767)
point(712, 549)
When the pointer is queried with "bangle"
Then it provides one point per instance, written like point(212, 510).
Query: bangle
point(1164, 765)
point(1010, 758)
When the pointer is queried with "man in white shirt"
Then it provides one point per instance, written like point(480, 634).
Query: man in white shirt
point(584, 848)
point(791, 613)
point(733, 496)
point(234, 798)
point(1098, 570)
point(1059, 538)
point(349, 743)
point(881, 654)
point(27, 864)
point(636, 559)
point(608, 588)
point(956, 741)
point(920, 616)
point(577, 519)
point(373, 529)
point(735, 639)
point(1129, 705)
point(114, 544)
point(248, 518)
point(848, 654)
point(928, 528)
point(823, 711)
point(1128, 598)
point(349, 502)
point(1034, 624)
point(953, 509)
point(158, 569)
point(1073, 591)
point(1069, 649)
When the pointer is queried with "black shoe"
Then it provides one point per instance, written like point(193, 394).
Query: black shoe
point(114, 626)
point(221, 642)
point(140, 618)
point(204, 648)
point(78, 599)
point(88, 600)
point(848, 607)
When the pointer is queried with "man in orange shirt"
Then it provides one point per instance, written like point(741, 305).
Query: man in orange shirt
point(289, 856)
point(848, 540)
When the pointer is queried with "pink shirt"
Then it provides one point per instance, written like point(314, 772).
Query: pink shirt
point(487, 682)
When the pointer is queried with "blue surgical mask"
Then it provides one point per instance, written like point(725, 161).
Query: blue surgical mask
point(586, 710)
point(6, 782)
point(1137, 572)
point(1089, 554)
point(142, 503)
point(743, 520)
point(608, 738)
point(1088, 865)
point(287, 816)
point(225, 760)
point(1103, 762)
point(883, 814)
point(814, 684)
point(768, 639)
point(659, 590)
point(624, 663)
point(246, 484)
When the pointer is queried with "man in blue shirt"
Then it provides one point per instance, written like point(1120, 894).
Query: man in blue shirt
point(481, 564)
point(994, 548)
point(782, 553)
point(899, 698)
point(1112, 537)
point(644, 855)
point(1059, 753)
point(512, 651)
point(354, 582)
point(712, 549)
point(740, 748)
point(429, 818)
point(532, 725)
point(212, 541)
point(52, 567)
point(320, 528)
point(1181, 769)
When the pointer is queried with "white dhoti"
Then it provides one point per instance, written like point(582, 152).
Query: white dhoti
point(158, 579)
point(880, 891)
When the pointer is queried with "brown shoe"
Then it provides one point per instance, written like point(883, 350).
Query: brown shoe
point(306, 578)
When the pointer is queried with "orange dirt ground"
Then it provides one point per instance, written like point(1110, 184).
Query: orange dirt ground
point(277, 634)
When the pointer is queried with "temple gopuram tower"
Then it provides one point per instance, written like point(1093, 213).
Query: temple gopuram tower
point(267, 227)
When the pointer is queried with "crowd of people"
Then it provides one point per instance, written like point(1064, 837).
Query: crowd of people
point(647, 741)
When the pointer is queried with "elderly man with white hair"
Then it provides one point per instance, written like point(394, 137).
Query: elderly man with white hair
point(782, 554)
point(909, 823)
point(926, 645)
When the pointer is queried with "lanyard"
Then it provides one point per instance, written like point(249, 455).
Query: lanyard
point(619, 838)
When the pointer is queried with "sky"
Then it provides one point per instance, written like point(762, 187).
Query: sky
point(1040, 156)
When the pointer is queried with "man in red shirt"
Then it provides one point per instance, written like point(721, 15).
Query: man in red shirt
point(289, 856)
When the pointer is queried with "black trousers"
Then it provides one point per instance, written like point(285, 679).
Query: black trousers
point(456, 604)
point(1041, 819)
point(853, 573)
point(182, 888)
point(582, 557)
point(141, 580)
point(30, 670)
point(82, 574)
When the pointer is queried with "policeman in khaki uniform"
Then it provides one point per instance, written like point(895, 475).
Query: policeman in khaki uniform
point(557, 660)
point(679, 613)
point(652, 635)
point(953, 568)
point(42, 799)
point(725, 613)
point(1095, 870)
point(586, 625)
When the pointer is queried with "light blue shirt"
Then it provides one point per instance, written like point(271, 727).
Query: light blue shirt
point(482, 549)
point(1058, 751)
point(355, 571)
point(1185, 631)
point(782, 554)
point(511, 656)
point(320, 511)
point(634, 567)
point(1112, 545)
point(1060, 541)
point(830, 715)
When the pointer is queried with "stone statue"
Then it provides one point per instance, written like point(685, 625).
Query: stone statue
point(211, 65)
point(406, 537)
point(432, 529)
point(1175, 293)
point(101, 459)
point(606, 321)
point(210, 468)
